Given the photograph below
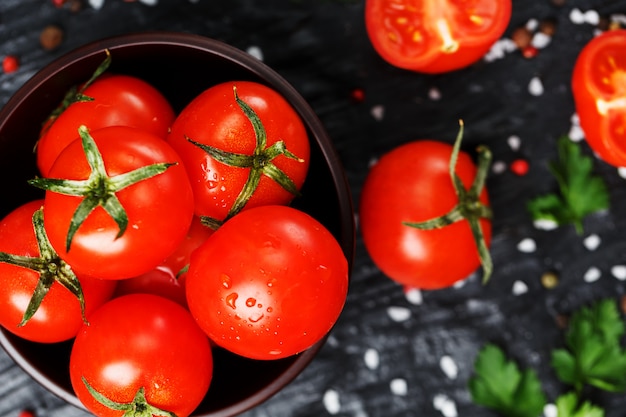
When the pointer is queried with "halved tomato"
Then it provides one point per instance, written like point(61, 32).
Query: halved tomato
point(435, 36)
point(599, 89)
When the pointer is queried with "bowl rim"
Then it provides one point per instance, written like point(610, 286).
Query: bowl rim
point(347, 238)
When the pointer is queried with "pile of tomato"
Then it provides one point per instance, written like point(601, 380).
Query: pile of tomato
point(162, 236)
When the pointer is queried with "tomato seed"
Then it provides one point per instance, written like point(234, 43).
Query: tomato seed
point(519, 167)
point(10, 63)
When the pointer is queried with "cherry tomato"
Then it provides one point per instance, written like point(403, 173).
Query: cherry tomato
point(412, 183)
point(252, 172)
point(116, 100)
point(435, 36)
point(158, 209)
point(59, 315)
point(141, 344)
point(599, 89)
point(168, 279)
point(269, 283)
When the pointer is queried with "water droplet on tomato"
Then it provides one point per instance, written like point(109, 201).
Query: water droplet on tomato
point(250, 302)
point(269, 309)
point(226, 281)
point(231, 300)
point(271, 282)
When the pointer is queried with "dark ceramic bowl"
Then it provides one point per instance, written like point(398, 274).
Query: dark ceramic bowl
point(181, 66)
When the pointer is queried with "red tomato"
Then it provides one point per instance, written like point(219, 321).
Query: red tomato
point(168, 279)
point(435, 36)
point(159, 209)
point(599, 89)
point(214, 118)
point(412, 183)
point(58, 317)
point(141, 341)
point(117, 100)
point(269, 283)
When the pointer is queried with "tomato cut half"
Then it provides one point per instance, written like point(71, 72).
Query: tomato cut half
point(435, 36)
point(599, 89)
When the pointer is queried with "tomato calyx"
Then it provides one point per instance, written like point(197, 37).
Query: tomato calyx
point(99, 190)
point(138, 407)
point(51, 269)
point(260, 163)
point(76, 94)
point(469, 206)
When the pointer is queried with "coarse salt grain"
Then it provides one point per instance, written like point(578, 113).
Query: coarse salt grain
point(378, 112)
point(398, 386)
point(96, 4)
point(576, 16)
point(434, 94)
point(398, 314)
point(498, 167)
point(592, 275)
point(545, 224)
point(535, 87)
point(149, 2)
point(331, 401)
point(519, 288)
point(448, 366)
point(540, 40)
point(414, 296)
point(371, 358)
point(550, 410)
point(576, 133)
point(592, 17)
point(256, 52)
point(592, 242)
point(514, 142)
point(527, 245)
point(532, 24)
point(621, 171)
point(619, 272)
point(445, 405)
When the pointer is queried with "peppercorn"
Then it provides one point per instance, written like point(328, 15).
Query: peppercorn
point(51, 37)
point(548, 27)
point(522, 37)
point(10, 63)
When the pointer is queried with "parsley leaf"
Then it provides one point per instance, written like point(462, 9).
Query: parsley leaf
point(500, 385)
point(593, 353)
point(581, 192)
point(567, 405)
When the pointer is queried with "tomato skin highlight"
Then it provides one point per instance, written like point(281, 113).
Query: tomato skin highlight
point(269, 283)
point(159, 209)
point(118, 100)
point(599, 91)
point(411, 183)
point(58, 318)
point(142, 340)
point(435, 36)
point(214, 118)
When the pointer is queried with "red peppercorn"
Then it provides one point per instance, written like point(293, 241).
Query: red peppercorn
point(519, 167)
point(10, 63)
point(530, 51)
point(358, 95)
point(58, 3)
point(27, 413)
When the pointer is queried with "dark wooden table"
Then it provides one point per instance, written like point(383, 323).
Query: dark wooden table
point(394, 353)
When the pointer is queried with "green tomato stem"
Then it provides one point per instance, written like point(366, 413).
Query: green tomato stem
point(99, 190)
point(260, 163)
point(51, 269)
point(469, 206)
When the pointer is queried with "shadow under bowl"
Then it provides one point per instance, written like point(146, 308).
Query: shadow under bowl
point(181, 66)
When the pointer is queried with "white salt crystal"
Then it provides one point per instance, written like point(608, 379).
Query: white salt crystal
point(256, 52)
point(445, 405)
point(398, 313)
point(593, 274)
point(592, 242)
point(371, 358)
point(527, 245)
point(535, 87)
point(398, 386)
point(331, 401)
point(619, 272)
point(378, 112)
point(448, 366)
point(519, 288)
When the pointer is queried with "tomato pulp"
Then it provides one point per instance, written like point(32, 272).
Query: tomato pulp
point(599, 89)
point(435, 36)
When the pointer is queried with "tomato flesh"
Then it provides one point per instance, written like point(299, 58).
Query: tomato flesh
point(599, 89)
point(435, 36)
